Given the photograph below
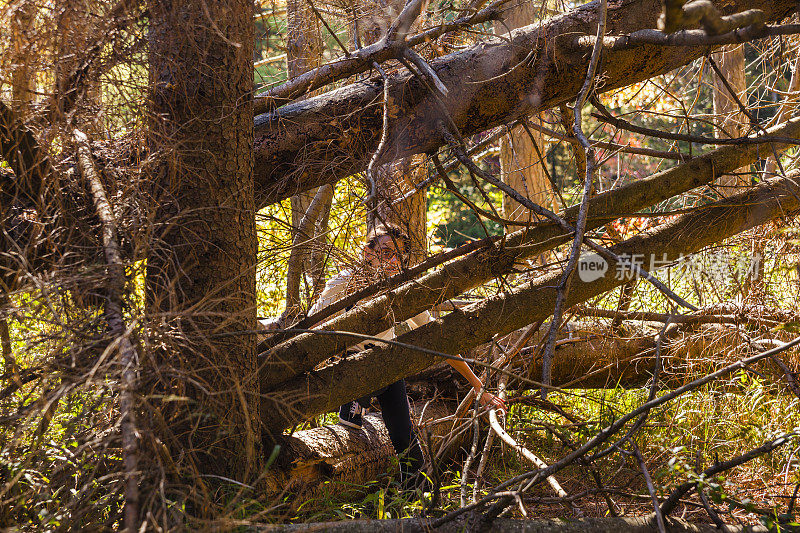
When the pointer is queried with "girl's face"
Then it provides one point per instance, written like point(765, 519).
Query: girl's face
point(384, 256)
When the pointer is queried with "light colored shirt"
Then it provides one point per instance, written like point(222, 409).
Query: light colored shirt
point(340, 286)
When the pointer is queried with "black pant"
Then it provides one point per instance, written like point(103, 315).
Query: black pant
point(397, 417)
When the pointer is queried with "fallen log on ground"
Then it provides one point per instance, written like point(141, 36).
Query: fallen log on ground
point(320, 140)
point(346, 457)
point(643, 524)
point(321, 390)
point(304, 352)
point(596, 358)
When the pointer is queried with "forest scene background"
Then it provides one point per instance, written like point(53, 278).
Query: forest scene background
point(140, 261)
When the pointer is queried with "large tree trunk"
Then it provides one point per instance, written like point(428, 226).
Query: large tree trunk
point(402, 204)
point(75, 25)
point(397, 200)
point(304, 49)
point(201, 269)
point(305, 351)
point(306, 144)
point(521, 154)
point(23, 80)
point(321, 390)
point(784, 113)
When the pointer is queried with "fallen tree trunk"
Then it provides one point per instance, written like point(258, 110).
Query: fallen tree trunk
point(322, 390)
point(304, 352)
point(320, 140)
point(600, 359)
point(641, 524)
point(346, 457)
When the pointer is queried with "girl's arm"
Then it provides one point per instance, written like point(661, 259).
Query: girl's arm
point(487, 398)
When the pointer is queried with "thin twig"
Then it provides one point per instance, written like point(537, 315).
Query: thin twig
point(606, 116)
point(580, 225)
point(650, 488)
point(371, 200)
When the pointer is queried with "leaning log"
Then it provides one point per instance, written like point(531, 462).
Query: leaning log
point(320, 140)
point(321, 390)
point(304, 352)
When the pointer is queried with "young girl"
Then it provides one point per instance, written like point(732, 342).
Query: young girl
point(384, 255)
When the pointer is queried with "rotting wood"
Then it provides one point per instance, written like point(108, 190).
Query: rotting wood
point(344, 457)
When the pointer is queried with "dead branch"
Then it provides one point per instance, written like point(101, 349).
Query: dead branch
point(591, 167)
point(661, 154)
point(118, 329)
point(651, 489)
point(643, 524)
point(304, 234)
point(679, 15)
point(713, 315)
point(360, 61)
point(691, 37)
point(526, 453)
point(605, 116)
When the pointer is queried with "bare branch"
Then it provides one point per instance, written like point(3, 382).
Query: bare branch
point(116, 321)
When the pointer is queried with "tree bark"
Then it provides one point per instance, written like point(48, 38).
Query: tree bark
point(400, 203)
point(201, 268)
point(597, 358)
point(341, 455)
point(304, 49)
point(785, 111)
point(75, 24)
point(316, 141)
point(303, 352)
point(23, 82)
point(322, 390)
point(521, 154)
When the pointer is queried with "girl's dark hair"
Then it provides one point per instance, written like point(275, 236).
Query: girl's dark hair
point(392, 230)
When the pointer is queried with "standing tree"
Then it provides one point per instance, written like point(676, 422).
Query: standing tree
point(201, 264)
point(522, 152)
